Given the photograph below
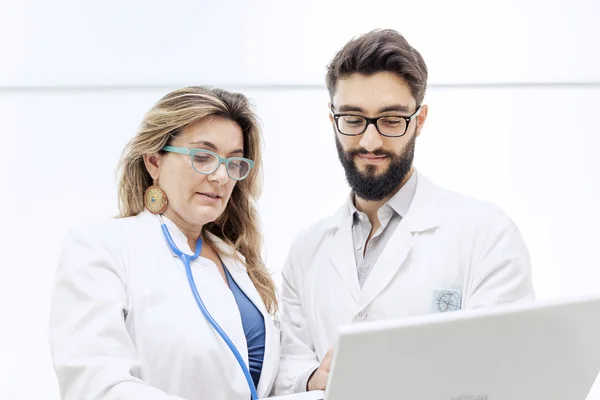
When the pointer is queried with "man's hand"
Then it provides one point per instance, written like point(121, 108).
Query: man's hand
point(318, 380)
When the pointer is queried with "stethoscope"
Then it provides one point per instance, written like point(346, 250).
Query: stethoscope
point(187, 260)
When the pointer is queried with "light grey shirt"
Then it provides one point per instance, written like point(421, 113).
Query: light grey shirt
point(389, 215)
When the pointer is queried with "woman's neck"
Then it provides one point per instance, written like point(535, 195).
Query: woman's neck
point(191, 232)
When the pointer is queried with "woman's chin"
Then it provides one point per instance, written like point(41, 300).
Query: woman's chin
point(206, 215)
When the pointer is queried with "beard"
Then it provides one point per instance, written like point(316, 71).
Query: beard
point(369, 185)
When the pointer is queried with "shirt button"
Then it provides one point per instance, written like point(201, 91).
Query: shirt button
point(359, 247)
point(362, 314)
point(361, 217)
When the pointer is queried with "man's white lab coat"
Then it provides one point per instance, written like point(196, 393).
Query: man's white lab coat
point(448, 252)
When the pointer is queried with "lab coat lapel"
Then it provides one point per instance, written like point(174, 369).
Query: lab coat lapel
point(238, 272)
point(387, 266)
point(422, 215)
point(342, 251)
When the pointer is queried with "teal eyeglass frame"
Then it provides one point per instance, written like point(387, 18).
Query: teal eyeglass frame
point(192, 152)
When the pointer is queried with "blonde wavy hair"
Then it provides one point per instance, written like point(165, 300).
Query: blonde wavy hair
point(238, 226)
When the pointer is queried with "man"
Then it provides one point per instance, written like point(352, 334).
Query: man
point(400, 246)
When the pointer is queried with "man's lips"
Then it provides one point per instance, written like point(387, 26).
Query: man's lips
point(371, 159)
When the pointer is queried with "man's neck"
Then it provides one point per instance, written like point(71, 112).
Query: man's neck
point(371, 207)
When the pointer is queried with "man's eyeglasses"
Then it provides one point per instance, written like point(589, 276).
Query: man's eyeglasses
point(391, 126)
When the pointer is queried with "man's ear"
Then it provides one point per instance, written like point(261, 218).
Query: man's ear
point(421, 119)
point(330, 115)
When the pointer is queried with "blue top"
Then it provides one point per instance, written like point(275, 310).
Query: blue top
point(254, 328)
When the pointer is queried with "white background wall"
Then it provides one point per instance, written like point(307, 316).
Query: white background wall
point(514, 98)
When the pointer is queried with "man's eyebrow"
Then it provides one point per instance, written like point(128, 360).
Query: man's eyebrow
point(394, 107)
point(351, 108)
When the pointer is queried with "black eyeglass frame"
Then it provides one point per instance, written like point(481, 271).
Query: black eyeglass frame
point(374, 121)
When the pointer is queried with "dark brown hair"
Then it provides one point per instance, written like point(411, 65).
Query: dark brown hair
point(378, 51)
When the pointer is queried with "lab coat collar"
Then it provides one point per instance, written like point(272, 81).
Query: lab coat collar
point(181, 240)
point(234, 261)
point(178, 236)
point(423, 213)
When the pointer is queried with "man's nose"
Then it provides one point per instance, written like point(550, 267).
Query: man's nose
point(371, 139)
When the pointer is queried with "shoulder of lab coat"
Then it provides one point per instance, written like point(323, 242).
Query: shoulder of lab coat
point(95, 360)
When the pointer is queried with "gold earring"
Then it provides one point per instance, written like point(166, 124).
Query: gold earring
point(155, 199)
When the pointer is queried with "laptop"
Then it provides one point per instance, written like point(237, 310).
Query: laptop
point(542, 350)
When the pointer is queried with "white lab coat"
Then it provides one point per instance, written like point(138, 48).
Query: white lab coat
point(124, 323)
point(446, 242)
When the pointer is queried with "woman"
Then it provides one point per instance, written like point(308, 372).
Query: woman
point(125, 321)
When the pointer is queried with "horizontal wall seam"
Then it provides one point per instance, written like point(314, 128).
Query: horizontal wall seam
point(283, 87)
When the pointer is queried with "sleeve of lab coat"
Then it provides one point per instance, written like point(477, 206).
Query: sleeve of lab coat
point(298, 356)
point(92, 353)
point(501, 273)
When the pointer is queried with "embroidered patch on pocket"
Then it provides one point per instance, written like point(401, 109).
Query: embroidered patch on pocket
point(446, 300)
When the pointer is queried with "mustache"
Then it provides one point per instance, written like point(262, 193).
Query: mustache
point(362, 151)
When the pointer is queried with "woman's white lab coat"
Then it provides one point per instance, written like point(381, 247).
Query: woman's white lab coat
point(124, 323)
point(448, 252)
